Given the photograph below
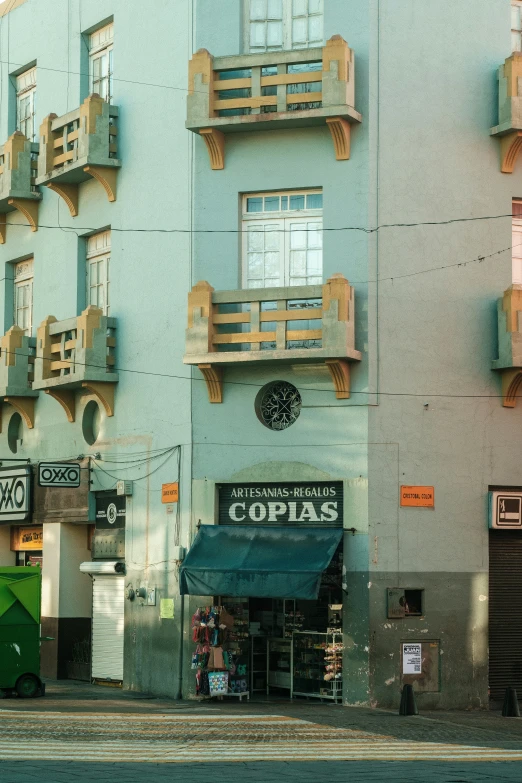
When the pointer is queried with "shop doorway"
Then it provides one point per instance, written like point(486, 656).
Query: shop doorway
point(272, 647)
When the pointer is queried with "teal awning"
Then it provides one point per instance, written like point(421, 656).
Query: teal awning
point(261, 562)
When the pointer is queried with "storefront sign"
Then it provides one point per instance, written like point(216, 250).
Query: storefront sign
point(412, 659)
point(300, 503)
point(25, 539)
point(423, 497)
point(110, 511)
point(59, 474)
point(15, 494)
point(170, 493)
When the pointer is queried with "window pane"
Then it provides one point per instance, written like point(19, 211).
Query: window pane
point(299, 7)
point(275, 9)
point(315, 29)
point(273, 236)
point(297, 237)
point(314, 201)
point(299, 30)
point(515, 17)
point(515, 42)
point(255, 265)
point(298, 263)
point(254, 204)
point(258, 9)
point(297, 202)
point(315, 239)
point(255, 239)
point(257, 34)
point(274, 34)
point(284, 203)
point(271, 203)
point(315, 6)
point(272, 265)
point(314, 262)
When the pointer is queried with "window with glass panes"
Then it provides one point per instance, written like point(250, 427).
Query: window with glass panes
point(516, 25)
point(282, 239)
point(274, 25)
point(100, 62)
point(98, 270)
point(516, 241)
point(26, 103)
point(23, 295)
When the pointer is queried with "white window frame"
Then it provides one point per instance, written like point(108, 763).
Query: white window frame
point(292, 10)
point(23, 275)
point(98, 260)
point(516, 25)
point(26, 103)
point(283, 221)
point(100, 47)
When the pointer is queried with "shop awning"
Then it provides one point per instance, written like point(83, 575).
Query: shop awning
point(261, 562)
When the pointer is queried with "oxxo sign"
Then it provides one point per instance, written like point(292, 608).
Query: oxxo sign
point(15, 494)
point(300, 503)
point(59, 474)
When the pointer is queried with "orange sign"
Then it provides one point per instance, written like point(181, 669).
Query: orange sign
point(26, 539)
point(170, 493)
point(418, 496)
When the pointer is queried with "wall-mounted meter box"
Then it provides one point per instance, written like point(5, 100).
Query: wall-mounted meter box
point(505, 510)
point(124, 488)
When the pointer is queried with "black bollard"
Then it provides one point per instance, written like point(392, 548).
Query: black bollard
point(510, 708)
point(408, 703)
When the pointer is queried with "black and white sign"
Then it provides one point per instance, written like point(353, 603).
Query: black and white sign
point(412, 658)
point(15, 494)
point(505, 510)
point(110, 511)
point(59, 474)
point(299, 503)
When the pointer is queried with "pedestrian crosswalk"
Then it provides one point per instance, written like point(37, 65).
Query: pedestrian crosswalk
point(199, 738)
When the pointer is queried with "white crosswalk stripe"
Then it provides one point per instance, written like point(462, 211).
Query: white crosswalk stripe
point(199, 738)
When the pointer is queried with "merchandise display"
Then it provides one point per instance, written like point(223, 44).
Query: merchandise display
point(220, 634)
point(317, 665)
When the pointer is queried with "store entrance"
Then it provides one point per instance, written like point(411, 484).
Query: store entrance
point(272, 647)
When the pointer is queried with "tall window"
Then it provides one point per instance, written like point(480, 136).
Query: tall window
point(282, 239)
point(26, 103)
point(273, 25)
point(516, 242)
point(516, 25)
point(100, 62)
point(98, 270)
point(23, 295)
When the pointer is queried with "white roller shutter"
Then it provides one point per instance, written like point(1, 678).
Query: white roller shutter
point(108, 603)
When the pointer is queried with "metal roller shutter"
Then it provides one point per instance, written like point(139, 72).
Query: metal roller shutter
point(108, 603)
point(505, 612)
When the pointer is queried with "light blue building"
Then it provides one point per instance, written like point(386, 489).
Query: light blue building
point(310, 209)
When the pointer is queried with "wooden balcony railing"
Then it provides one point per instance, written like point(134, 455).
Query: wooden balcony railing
point(292, 324)
point(278, 89)
point(17, 355)
point(80, 145)
point(77, 353)
point(18, 162)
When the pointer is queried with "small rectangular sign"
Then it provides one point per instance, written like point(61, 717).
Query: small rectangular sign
point(170, 493)
point(422, 497)
point(412, 659)
point(167, 608)
point(59, 474)
point(25, 539)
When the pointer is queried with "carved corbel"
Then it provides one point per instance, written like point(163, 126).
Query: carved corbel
point(340, 372)
point(511, 384)
point(69, 193)
point(104, 392)
point(3, 228)
point(510, 146)
point(215, 141)
point(25, 407)
point(341, 133)
point(214, 379)
point(67, 400)
point(106, 176)
point(28, 208)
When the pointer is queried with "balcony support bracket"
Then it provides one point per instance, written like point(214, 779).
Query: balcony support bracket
point(67, 400)
point(28, 208)
point(69, 193)
point(25, 407)
point(106, 176)
point(215, 141)
point(214, 379)
point(104, 392)
point(510, 147)
point(340, 372)
point(340, 130)
point(3, 228)
point(511, 387)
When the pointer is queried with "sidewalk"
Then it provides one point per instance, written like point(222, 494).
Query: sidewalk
point(486, 729)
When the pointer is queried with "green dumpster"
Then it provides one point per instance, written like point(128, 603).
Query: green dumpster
point(20, 589)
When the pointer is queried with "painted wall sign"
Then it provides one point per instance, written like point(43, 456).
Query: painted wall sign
point(15, 494)
point(26, 539)
point(110, 511)
point(59, 474)
point(421, 497)
point(170, 493)
point(299, 503)
point(412, 659)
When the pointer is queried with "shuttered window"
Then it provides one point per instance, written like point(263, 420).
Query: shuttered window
point(505, 611)
point(107, 627)
point(274, 25)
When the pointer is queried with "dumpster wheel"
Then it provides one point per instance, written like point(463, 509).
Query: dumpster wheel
point(28, 686)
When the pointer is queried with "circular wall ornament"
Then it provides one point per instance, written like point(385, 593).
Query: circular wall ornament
point(278, 405)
